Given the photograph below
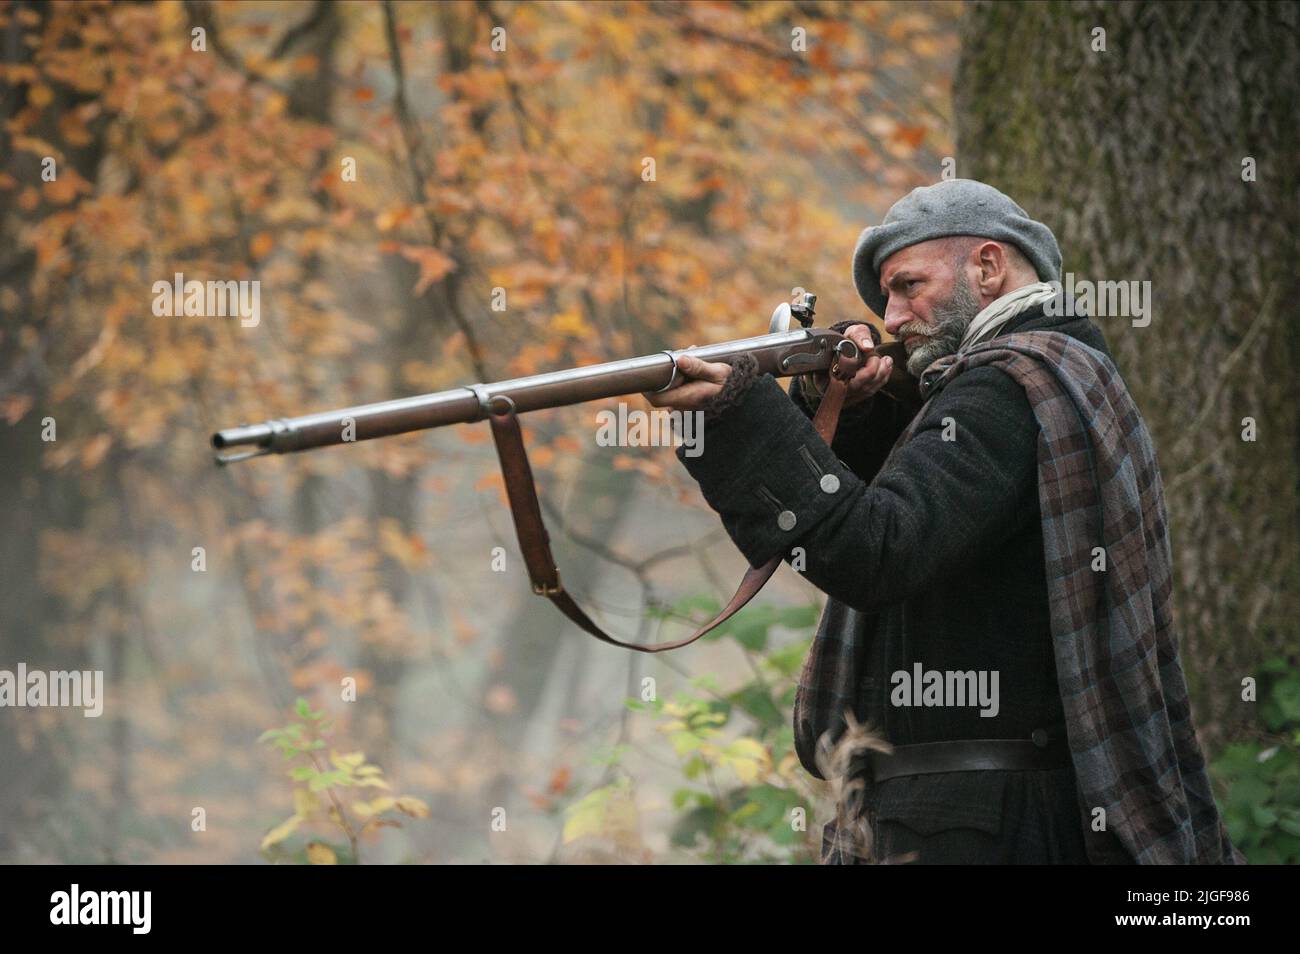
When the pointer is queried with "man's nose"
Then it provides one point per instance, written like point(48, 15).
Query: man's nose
point(895, 316)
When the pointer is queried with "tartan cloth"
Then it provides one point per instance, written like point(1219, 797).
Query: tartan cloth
point(1128, 716)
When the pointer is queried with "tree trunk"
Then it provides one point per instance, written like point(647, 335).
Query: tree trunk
point(1136, 156)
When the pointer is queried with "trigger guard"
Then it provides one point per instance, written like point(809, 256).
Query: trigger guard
point(847, 353)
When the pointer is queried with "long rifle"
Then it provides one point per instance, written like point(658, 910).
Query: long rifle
point(780, 352)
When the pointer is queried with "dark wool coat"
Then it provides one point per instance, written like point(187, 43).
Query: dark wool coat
point(941, 563)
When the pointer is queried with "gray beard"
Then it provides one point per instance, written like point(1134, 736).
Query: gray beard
point(951, 319)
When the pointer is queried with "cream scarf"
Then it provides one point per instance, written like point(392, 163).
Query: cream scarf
point(998, 312)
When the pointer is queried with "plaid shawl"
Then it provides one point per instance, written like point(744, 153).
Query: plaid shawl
point(1127, 712)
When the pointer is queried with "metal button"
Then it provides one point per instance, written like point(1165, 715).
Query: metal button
point(830, 483)
point(786, 520)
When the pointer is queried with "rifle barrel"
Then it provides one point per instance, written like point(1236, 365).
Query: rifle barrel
point(785, 353)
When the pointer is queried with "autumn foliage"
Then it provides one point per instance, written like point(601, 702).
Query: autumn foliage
point(424, 206)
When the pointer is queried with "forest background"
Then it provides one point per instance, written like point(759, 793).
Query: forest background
point(431, 195)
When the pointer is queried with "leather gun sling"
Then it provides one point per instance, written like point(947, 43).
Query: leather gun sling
point(534, 542)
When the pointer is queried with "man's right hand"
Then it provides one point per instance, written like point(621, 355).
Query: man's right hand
point(870, 378)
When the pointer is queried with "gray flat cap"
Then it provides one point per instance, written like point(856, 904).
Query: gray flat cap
point(951, 207)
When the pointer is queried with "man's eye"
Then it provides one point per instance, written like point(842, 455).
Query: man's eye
point(911, 282)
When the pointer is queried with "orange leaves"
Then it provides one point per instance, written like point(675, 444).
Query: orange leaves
point(490, 480)
point(40, 95)
point(424, 376)
point(66, 187)
point(391, 218)
point(450, 203)
point(527, 282)
point(14, 406)
point(37, 147)
point(261, 245)
point(164, 131)
point(16, 73)
point(911, 136)
point(620, 34)
point(196, 204)
point(570, 322)
point(470, 86)
point(558, 786)
point(50, 236)
point(549, 240)
point(643, 463)
point(166, 367)
point(464, 631)
point(93, 451)
point(408, 549)
point(833, 32)
point(433, 265)
point(931, 46)
point(820, 55)
point(561, 779)
point(567, 444)
point(542, 457)
point(901, 27)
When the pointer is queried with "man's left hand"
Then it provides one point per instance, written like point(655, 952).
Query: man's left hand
point(698, 381)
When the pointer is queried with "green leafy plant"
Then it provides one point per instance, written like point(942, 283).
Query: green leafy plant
point(1262, 777)
point(744, 798)
point(321, 796)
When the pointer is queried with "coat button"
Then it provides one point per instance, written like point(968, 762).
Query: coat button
point(786, 520)
point(1039, 737)
point(830, 483)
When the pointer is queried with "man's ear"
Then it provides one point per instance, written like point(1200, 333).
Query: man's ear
point(993, 264)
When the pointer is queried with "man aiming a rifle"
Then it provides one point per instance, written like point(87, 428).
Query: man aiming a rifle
point(990, 528)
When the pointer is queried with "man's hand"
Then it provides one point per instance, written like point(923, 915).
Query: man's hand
point(871, 377)
point(697, 381)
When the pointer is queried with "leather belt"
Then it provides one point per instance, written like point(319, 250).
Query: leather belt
point(971, 755)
